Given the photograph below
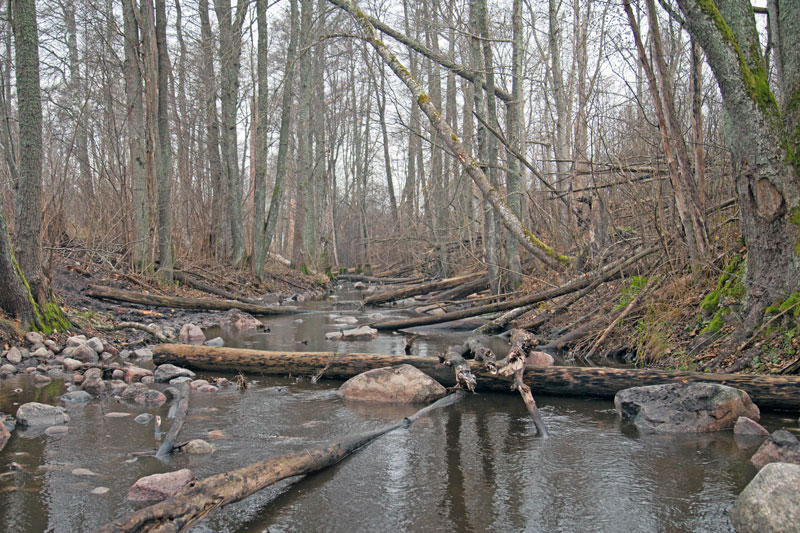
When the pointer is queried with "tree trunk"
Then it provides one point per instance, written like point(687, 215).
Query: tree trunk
point(768, 392)
point(260, 173)
point(14, 298)
point(514, 112)
point(164, 148)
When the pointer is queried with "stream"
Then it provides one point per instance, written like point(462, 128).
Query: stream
point(475, 466)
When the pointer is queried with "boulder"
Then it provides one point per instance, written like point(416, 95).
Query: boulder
point(400, 384)
point(71, 364)
point(82, 352)
point(39, 414)
point(198, 446)
point(769, 502)
point(139, 393)
point(684, 407)
point(781, 447)
point(143, 353)
point(747, 426)
point(135, 373)
point(159, 487)
point(539, 359)
point(363, 333)
point(216, 342)
point(14, 356)
point(239, 320)
point(165, 373)
point(191, 334)
point(95, 344)
point(78, 396)
point(34, 337)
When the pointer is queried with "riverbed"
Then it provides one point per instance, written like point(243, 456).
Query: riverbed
point(475, 466)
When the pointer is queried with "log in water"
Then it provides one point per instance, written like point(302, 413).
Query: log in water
point(768, 392)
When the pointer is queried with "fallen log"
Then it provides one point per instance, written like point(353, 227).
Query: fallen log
point(182, 410)
point(454, 358)
point(210, 289)
point(109, 293)
point(573, 286)
point(197, 500)
point(769, 392)
point(160, 337)
point(515, 368)
point(374, 279)
point(423, 288)
point(463, 290)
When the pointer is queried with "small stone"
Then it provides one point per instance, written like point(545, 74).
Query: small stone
point(40, 379)
point(117, 414)
point(207, 388)
point(178, 381)
point(198, 446)
point(72, 364)
point(100, 490)
point(143, 353)
point(240, 321)
point(53, 345)
point(223, 382)
point(191, 334)
point(165, 373)
point(34, 337)
point(95, 344)
point(77, 379)
point(748, 426)
point(216, 342)
point(117, 386)
point(346, 320)
point(56, 430)
point(217, 434)
point(76, 340)
point(135, 373)
point(196, 384)
point(143, 418)
point(84, 472)
point(39, 414)
point(125, 354)
point(82, 352)
point(159, 487)
point(363, 333)
point(79, 396)
point(118, 373)
point(780, 447)
point(148, 380)
point(333, 336)
point(8, 368)
point(172, 392)
point(42, 353)
point(14, 356)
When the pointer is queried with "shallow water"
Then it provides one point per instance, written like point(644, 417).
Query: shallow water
point(475, 466)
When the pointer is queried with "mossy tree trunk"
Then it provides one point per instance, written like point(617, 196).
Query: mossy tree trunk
point(764, 137)
point(41, 312)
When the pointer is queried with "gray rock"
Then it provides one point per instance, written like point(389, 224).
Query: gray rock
point(684, 407)
point(149, 380)
point(34, 337)
point(769, 502)
point(100, 490)
point(363, 333)
point(216, 342)
point(38, 414)
point(197, 383)
point(79, 396)
point(165, 373)
point(81, 352)
point(143, 418)
point(207, 388)
point(402, 383)
point(143, 353)
point(747, 426)
point(781, 447)
point(76, 340)
point(135, 373)
point(537, 358)
point(160, 486)
point(42, 353)
point(55, 373)
point(8, 368)
point(53, 346)
point(14, 356)
point(118, 373)
point(54, 431)
point(93, 385)
point(95, 344)
point(198, 446)
point(172, 392)
point(125, 354)
point(179, 380)
point(191, 334)
point(72, 364)
point(139, 393)
point(84, 472)
point(40, 379)
point(116, 386)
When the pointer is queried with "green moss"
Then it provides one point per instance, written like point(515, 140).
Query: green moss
point(729, 289)
point(628, 293)
point(563, 259)
point(792, 302)
point(716, 322)
point(423, 99)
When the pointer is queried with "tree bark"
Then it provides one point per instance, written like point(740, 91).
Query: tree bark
point(424, 288)
point(164, 149)
point(769, 392)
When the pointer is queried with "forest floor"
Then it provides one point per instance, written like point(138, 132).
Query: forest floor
point(672, 327)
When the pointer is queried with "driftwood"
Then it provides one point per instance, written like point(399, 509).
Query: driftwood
point(515, 368)
point(210, 289)
point(108, 293)
point(605, 274)
point(135, 325)
point(196, 501)
point(375, 279)
point(454, 358)
point(461, 291)
point(769, 392)
point(423, 288)
point(182, 410)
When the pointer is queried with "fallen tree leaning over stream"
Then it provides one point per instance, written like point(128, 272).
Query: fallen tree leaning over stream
point(192, 504)
point(769, 392)
point(109, 293)
point(422, 288)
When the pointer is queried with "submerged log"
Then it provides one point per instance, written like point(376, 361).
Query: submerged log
point(109, 293)
point(197, 500)
point(769, 392)
point(423, 288)
point(182, 410)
